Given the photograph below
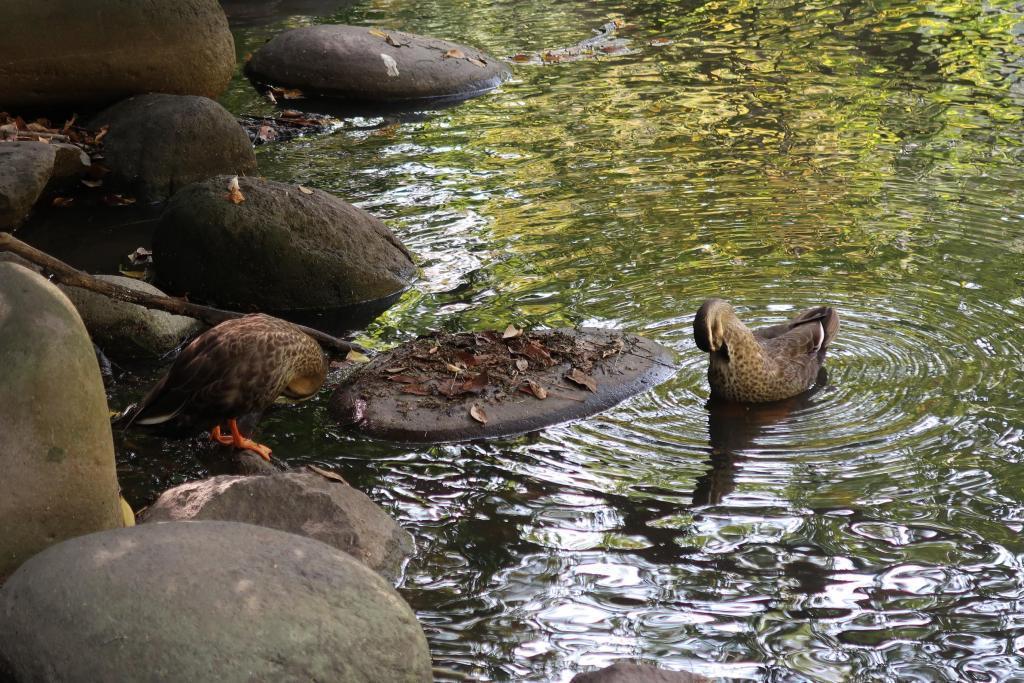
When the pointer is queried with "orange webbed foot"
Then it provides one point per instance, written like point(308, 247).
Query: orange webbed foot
point(240, 441)
point(215, 435)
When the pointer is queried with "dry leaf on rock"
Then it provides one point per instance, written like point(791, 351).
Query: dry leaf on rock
point(62, 202)
point(522, 364)
point(478, 414)
point(305, 190)
point(455, 53)
point(235, 195)
point(417, 389)
point(531, 387)
point(511, 332)
point(581, 378)
point(477, 383)
point(356, 357)
point(327, 474)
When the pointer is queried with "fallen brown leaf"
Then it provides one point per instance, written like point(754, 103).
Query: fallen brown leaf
point(477, 383)
point(417, 389)
point(404, 379)
point(581, 378)
point(395, 370)
point(100, 135)
point(377, 32)
point(531, 387)
point(477, 62)
point(511, 332)
point(62, 202)
point(522, 364)
point(234, 194)
point(537, 353)
point(455, 53)
point(327, 474)
point(478, 414)
point(305, 190)
point(91, 183)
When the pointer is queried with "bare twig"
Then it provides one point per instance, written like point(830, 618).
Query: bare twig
point(65, 274)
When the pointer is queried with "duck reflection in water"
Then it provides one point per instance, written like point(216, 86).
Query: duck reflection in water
point(734, 429)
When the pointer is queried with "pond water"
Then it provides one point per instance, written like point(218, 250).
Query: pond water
point(866, 155)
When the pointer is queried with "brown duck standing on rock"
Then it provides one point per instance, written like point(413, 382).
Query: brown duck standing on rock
point(236, 368)
point(766, 364)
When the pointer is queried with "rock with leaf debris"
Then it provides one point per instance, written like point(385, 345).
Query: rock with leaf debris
point(70, 54)
point(56, 448)
point(125, 330)
point(306, 503)
point(29, 168)
point(157, 144)
point(628, 672)
point(372, 65)
point(249, 243)
point(182, 602)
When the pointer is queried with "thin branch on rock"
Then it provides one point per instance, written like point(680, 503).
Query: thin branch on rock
point(66, 275)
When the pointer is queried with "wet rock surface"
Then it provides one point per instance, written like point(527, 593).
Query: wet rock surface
point(77, 53)
point(201, 601)
point(282, 248)
point(627, 672)
point(303, 503)
point(375, 65)
point(458, 387)
point(125, 330)
point(56, 448)
point(157, 144)
point(27, 169)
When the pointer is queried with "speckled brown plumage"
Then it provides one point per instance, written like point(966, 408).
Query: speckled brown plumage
point(767, 364)
point(238, 367)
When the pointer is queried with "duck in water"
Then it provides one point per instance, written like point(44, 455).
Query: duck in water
point(767, 364)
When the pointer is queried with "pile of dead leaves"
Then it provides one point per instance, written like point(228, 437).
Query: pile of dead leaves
point(455, 366)
point(43, 130)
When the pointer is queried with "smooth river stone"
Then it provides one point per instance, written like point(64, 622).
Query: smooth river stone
point(382, 410)
point(281, 249)
point(57, 473)
point(184, 602)
point(374, 65)
point(73, 54)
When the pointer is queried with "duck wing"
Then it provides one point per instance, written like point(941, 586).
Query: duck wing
point(809, 332)
point(198, 374)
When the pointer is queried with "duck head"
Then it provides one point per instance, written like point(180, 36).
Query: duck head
point(710, 323)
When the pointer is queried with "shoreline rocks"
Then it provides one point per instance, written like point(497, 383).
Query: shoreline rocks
point(29, 168)
point(198, 601)
point(156, 144)
point(56, 446)
point(125, 330)
point(301, 503)
point(369, 64)
point(79, 54)
point(281, 248)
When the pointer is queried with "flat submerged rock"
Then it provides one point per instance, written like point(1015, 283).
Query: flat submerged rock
point(373, 65)
point(472, 385)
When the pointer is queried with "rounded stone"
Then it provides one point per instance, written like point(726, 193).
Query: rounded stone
point(72, 54)
point(280, 249)
point(628, 672)
point(369, 64)
point(303, 503)
point(157, 144)
point(56, 448)
point(205, 601)
point(27, 169)
point(414, 394)
point(128, 330)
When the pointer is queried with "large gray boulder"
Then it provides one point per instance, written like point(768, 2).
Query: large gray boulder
point(157, 144)
point(125, 330)
point(205, 601)
point(374, 65)
point(27, 169)
point(95, 53)
point(302, 503)
point(56, 448)
point(280, 249)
